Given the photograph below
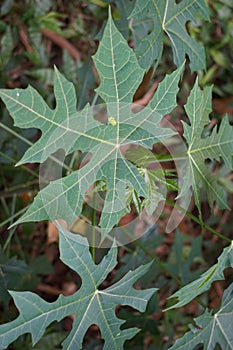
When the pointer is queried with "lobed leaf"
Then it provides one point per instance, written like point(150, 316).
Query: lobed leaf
point(89, 304)
point(210, 329)
point(29, 110)
point(169, 18)
point(65, 128)
point(219, 145)
point(202, 284)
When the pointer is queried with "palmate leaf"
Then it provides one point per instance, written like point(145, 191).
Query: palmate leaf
point(211, 329)
point(63, 127)
point(89, 304)
point(169, 19)
point(219, 145)
point(202, 284)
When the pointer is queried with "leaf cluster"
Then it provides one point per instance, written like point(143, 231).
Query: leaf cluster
point(67, 118)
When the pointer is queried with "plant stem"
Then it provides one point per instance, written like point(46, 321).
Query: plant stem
point(22, 166)
point(159, 262)
point(13, 216)
point(5, 205)
point(199, 221)
point(12, 132)
point(164, 267)
point(18, 189)
point(93, 225)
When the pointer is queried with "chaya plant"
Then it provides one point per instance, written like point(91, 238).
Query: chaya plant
point(116, 177)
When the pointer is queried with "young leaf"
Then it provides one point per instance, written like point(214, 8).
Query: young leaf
point(154, 194)
point(89, 304)
point(218, 145)
point(65, 128)
point(202, 284)
point(211, 329)
point(170, 18)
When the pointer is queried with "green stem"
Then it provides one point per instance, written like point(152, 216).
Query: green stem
point(12, 230)
point(12, 132)
point(198, 221)
point(163, 266)
point(18, 189)
point(93, 225)
point(5, 205)
point(94, 99)
point(8, 240)
point(22, 166)
point(3, 223)
point(74, 158)
point(159, 262)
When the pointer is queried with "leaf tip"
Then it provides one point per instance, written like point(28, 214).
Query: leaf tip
point(109, 12)
point(12, 225)
point(19, 163)
point(173, 299)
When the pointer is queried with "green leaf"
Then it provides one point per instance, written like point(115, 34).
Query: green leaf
point(136, 257)
point(141, 157)
point(124, 9)
point(155, 194)
point(45, 75)
point(219, 145)
point(16, 274)
point(120, 74)
point(89, 304)
point(6, 7)
point(163, 101)
point(202, 284)
point(64, 128)
point(28, 109)
point(7, 46)
point(11, 273)
point(87, 79)
point(42, 7)
point(51, 341)
point(183, 256)
point(146, 321)
point(170, 19)
point(211, 329)
point(157, 181)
